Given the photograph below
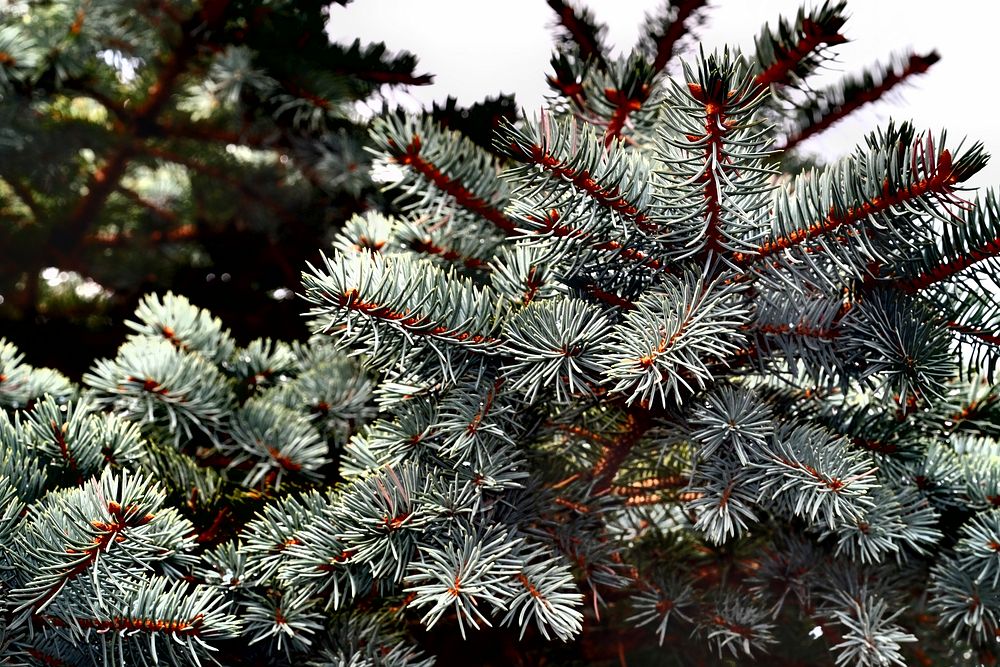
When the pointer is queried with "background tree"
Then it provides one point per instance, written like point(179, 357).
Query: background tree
point(147, 144)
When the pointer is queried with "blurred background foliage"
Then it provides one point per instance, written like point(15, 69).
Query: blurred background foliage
point(208, 148)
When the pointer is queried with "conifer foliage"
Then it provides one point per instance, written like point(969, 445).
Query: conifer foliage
point(622, 389)
point(147, 144)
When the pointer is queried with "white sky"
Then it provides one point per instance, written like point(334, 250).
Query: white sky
point(477, 48)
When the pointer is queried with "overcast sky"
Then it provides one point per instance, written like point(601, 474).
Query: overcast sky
point(477, 48)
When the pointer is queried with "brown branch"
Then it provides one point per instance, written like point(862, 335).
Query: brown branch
point(392, 78)
point(608, 197)
point(813, 36)
point(666, 43)
point(102, 183)
point(221, 176)
point(109, 533)
point(40, 656)
point(649, 485)
point(552, 226)
point(714, 102)
point(184, 628)
point(614, 453)
point(24, 193)
point(939, 183)
point(427, 246)
point(800, 329)
point(165, 214)
point(410, 156)
point(203, 132)
point(917, 64)
point(415, 323)
point(211, 533)
point(985, 336)
point(584, 35)
point(625, 105)
point(950, 268)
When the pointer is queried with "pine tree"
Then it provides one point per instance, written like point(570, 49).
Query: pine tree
point(201, 146)
point(623, 388)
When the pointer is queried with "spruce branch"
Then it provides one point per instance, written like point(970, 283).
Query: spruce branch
point(809, 457)
point(186, 326)
point(572, 364)
point(575, 160)
point(872, 637)
point(546, 596)
point(276, 441)
point(712, 149)
point(154, 382)
point(912, 362)
point(736, 626)
point(105, 179)
point(601, 366)
point(357, 298)
point(661, 350)
point(724, 497)
point(72, 437)
point(380, 518)
point(663, 30)
point(454, 166)
point(109, 524)
point(470, 578)
point(582, 32)
point(176, 621)
point(631, 85)
point(925, 178)
point(793, 51)
point(973, 238)
point(830, 106)
point(658, 602)
point(370, 62)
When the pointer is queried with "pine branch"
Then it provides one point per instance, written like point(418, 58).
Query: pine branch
point(853, 93)
point(582, 31)
point(664, 348)
point(974, 238)
point(434, 161)
point(180, 628)
point(927, 177)
point(662, 31)
point(121, 519)
point(792, 52)
point(558, 155)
